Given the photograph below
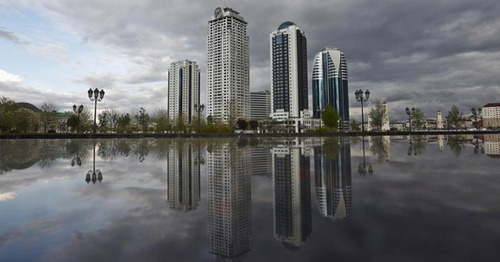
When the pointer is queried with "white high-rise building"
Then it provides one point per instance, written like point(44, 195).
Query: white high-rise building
point(183, 90)
point(289, 89)
point(228, 67)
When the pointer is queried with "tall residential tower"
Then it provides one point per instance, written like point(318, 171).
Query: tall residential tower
point(329, 84)
point(289, 96)
point(228, 67)
point(183, 90)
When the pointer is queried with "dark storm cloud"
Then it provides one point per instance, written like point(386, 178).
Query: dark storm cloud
point(410, 53)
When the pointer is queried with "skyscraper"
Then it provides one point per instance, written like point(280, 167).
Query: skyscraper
point(229, 199)
point(183, 176)
point(292, 196)
point(289, 95)
point(183, 90)
point(333, 182)
point(228, 67)
point(329, 84)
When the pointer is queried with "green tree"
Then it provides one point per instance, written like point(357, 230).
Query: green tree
point(104, 122)
point(378, 115)
point(123, 123)
point(73, 122)
point(254, 124)
point(24, 120)
point(454, 116)
point(142, 120)
point(418, 118)
point(330, 118)
point(355, 126)
point(161, 120)
point(242, 124)
point(180, 126)
point(7, 114)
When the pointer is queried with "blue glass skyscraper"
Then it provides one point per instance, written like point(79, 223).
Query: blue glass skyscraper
point(329, 84)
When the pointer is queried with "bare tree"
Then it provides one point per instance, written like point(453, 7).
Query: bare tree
point(48, 115)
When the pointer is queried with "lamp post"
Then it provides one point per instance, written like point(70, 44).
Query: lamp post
point(362, 99)
point(78, 111)
point(199, 109)
point(409, 113)
point(95, 96)
point(475, 113)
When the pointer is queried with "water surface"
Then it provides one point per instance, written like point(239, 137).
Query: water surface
point(303, 199)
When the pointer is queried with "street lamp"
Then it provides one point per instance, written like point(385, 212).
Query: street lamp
point(199, 109)
point(78, 111)
point(475, 113)
point(362, 100)
point(96, 96)
point(409, 113)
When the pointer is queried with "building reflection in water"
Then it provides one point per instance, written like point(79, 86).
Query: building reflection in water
point(492, 145)
point(292, 195)
point(229, 199)
point(441, 140)
point(183, 176)
point(333, 182)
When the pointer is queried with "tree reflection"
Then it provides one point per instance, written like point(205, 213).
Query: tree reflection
point(417, 145)
point(456, 144)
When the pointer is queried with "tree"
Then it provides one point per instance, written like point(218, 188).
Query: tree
point(123, 123)
point(418, 118)
point(454, 116)
point(24, 120)
point(142, 120)
point(161, 121)
point(48, 115)
point(242, 124)
point(180, 127)
point(73, 122)
point(355, 126)
point(330, 118)
point(7, 114)
point(378, 115)
point(254, 124)
point(103, 122)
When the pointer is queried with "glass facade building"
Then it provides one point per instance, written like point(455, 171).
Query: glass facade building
point(289, 90)
point(329, 84)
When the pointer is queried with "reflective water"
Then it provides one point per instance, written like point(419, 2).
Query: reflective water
point(304, 199)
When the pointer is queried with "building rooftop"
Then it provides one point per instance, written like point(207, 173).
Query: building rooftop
point(492, 105)
point(285, 25)
point(28, 106)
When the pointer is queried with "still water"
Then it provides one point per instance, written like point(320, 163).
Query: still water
point(426, 198)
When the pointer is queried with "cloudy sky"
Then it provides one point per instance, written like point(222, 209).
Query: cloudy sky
point(427, 53)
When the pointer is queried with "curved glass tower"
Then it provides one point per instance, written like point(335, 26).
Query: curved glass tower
point(329, 84)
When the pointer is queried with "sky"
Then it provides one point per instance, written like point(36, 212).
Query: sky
point(426, 54)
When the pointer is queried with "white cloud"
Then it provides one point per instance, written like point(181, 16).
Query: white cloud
point(7, 77)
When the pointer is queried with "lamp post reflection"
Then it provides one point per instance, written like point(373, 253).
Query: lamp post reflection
point(362, 167)
point(94, 175)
